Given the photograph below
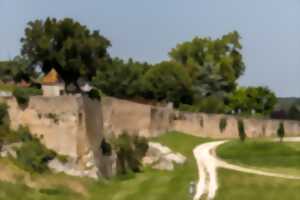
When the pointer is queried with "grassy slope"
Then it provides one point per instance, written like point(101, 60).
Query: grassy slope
point(267, 155)
point(11, 191)
point(157, 185)
point(236, 186)
point(148, 185)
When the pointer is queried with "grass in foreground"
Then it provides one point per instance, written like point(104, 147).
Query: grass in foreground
point(11, 191)
point(153, 184)
point(268, 155)
point(236, 186)
point(148, 185)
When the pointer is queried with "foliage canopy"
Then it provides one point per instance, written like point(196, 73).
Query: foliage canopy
point(65, 45)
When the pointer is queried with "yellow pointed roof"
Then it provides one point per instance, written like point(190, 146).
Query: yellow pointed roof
point(51, 78)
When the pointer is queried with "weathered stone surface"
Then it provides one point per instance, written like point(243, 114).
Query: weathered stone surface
point(161, 157)
point(70, 125)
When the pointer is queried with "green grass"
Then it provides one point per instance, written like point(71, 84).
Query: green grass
point(11, 191)
point(236, 186)
point(267, 155)
point(153, 184)
point(147, 185)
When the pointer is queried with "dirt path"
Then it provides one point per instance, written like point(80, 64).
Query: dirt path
point(208, 163)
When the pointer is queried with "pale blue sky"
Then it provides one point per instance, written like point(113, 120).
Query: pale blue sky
point(147, 29)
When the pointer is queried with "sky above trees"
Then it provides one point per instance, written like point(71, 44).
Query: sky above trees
point(147, 30)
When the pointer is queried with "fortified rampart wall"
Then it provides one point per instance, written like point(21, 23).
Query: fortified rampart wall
point(150, 121)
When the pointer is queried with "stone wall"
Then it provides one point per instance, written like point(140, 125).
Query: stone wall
point(121, 115)
point(150, 121)
point(69, 125)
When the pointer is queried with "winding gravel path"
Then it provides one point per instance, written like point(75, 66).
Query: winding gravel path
point(208, 163)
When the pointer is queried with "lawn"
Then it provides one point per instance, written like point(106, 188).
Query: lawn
point(266, 155)
point(148, 185)
point(11, 191)
point(235, 186)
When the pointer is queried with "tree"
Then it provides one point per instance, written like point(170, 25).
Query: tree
point(281, 131)
point(294, 112)
point(247, 100)
point(214, 65)
point(167, 81)
point(241, 129)
point(17, 70)
point(65, 45)
point(120, 79)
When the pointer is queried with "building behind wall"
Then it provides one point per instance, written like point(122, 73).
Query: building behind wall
point(52, 84)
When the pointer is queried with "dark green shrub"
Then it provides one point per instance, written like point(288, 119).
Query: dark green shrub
point(33, 156)
point(241, 129)
point(23, 134)
point(130, 151)
point(22, 95)
point(95, 94)
point(3, 113)
point(106, 148)
point(8, 136)
point(141, 146)
point(281, 131)
point(223, 124)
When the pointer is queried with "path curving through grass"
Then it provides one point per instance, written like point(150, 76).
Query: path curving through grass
point(208, 162)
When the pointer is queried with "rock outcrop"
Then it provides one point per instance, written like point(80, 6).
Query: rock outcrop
point(161, 157)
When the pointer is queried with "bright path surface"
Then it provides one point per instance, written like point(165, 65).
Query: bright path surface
point(208, 163)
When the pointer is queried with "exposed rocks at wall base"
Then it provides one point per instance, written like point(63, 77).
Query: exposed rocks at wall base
point(161, 157)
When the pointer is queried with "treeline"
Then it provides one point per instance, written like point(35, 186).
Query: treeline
point(200, 75)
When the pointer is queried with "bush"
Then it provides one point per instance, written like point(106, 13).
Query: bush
point(3, 113)
point(22, 94)
point(130, 151)
point(33, 156)
point(281, 131)
point(241, 129)
point(223, 124)
point(106, 148)
point(95, 94)
point(8, 136)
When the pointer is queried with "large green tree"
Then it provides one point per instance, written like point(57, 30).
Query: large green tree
point(66, 45)
point(248, 100)
point(167, 81)
point(214, 65)
point(120, 79)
